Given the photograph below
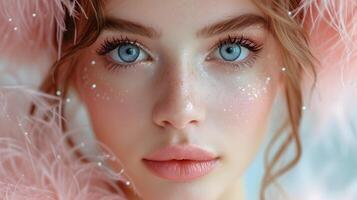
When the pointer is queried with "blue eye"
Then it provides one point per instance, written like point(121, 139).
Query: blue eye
point(230, 52)
point(127, 53)
point(233, 52)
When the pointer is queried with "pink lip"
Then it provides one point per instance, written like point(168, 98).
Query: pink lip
point(180, 163)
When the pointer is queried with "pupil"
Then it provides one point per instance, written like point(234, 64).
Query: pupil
point(230, 50)
point(130, 51)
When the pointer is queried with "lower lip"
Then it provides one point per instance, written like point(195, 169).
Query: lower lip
point(180, 170)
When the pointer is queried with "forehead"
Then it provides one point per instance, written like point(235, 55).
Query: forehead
point(176, 13)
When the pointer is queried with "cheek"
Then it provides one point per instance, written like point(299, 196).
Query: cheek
point(115, 111)
point(246, 103)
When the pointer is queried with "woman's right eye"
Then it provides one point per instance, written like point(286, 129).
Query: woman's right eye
point(128, 53)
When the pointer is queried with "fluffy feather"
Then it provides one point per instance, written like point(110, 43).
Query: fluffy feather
point(37, 163)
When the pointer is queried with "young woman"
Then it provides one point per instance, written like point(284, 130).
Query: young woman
point(182, 91)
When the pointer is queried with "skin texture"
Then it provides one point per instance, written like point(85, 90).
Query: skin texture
point(179, 96)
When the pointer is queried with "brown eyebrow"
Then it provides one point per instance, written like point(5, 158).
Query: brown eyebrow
point(111, 23)
point(235, 23)
point(232, 24)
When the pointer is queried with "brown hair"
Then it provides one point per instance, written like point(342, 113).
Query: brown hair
point(84, 29)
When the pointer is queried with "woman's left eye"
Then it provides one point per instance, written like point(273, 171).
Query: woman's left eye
point(231, 52)
point(238, 51)
point(128, 53)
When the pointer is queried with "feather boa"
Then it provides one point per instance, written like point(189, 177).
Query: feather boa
point(35, 160)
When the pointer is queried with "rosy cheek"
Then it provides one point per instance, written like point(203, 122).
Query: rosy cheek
point(96, 85)
point(247, 103)
point(103, 99)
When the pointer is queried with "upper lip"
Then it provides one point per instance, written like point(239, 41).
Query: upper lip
point(181, 152)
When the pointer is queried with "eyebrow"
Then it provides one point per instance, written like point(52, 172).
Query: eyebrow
point(111, 23)
point(235, 23)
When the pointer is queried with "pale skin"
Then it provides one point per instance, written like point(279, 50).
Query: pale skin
point(181, 90)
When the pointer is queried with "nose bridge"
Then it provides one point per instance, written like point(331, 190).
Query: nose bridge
point(180, 103)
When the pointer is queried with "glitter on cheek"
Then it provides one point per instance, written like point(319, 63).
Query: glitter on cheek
point(97, 86)
point(248, 102)
point(255, 91)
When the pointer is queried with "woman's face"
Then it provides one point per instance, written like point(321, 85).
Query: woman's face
point(163, 73)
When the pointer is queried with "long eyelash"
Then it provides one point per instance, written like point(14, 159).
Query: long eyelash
point(110, 44)
point(241, 40)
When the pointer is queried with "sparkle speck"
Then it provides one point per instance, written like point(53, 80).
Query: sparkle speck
point(127, 183)
point(290, 13)
point(58, 93)
point(283, 69)
point(68, 100)
point(33, 14)
point(303, 108)
point(26, 133)
point(100, 164)
point(92, 62)
point(121, 171)
point(94, 86)
point(10, 19)
point(15, 28)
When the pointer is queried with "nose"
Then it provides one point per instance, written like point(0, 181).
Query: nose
point(179, 104)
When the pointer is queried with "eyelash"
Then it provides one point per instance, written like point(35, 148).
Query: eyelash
point(111, 44)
